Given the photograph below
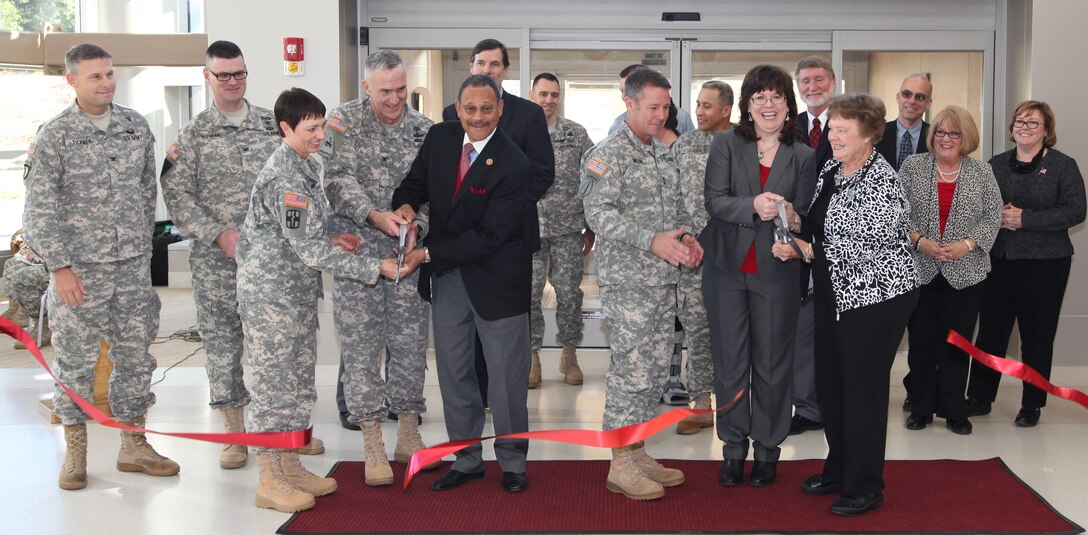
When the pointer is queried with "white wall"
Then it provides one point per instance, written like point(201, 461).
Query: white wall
point(258, 27)
point(1059, 78)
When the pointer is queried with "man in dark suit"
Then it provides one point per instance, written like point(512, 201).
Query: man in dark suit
point(816, 84)
point(482, 267)
point(906, 135)
point(527, 127)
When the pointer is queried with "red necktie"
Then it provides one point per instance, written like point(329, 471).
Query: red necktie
point(814, 134)
point(462, 170)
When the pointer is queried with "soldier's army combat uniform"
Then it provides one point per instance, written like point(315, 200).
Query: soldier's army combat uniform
point(691, 152)
point(631, 192)
point(26, 281)
point(206, 180)
point(366, 161)
point(559, 259)
point(90, 206)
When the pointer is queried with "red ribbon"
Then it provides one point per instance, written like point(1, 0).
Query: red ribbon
point(1018, 370)
point(277, 440)
point(615, 438)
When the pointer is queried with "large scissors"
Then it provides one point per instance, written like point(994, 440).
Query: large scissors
point(400, 251)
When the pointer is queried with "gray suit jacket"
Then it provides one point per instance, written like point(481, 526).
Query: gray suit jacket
point(732, 183)
point(975, 214)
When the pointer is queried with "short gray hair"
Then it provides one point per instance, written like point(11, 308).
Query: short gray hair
point(642, 78)
point(82, 52)
point(478, 80)
point(382, 60)
point(814, 62)
point(725, 91)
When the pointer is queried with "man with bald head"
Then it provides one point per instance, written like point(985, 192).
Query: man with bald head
point(907, 133)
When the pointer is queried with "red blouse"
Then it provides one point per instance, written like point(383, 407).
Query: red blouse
point(945, 192)
point(749, 265)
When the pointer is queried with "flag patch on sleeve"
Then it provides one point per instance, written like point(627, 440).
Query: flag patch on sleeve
point(174, 152)
point(32, 149)
point(338, 124)
point(296, 200)
point(597, 167)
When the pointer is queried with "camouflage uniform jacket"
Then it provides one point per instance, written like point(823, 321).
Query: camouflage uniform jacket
point(691, 152)
point(561, 209)
point(365, 162)
point(209, 171)
point(90, 195)
point(284, 244)
point(631, 192)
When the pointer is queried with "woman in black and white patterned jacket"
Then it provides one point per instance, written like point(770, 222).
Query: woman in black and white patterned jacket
point(865, 290)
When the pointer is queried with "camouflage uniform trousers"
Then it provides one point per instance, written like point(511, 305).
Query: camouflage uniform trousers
point(692, 313)
point(641, 322)
point(220, 326)
point(121, 307)
point(560, 261)
point(26, 284)
point(374, 320)
point(282, 346)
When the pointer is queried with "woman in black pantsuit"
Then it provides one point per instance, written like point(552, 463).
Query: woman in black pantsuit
point(865, 290)
point(1043, 192)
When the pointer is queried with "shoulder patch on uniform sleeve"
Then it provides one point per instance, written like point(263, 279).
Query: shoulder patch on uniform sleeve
point(32, 149)
point(597, 167)
point(296, 200)
point(174, 152)
point(338, 124)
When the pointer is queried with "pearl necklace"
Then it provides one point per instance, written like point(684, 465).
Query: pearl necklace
point(954, 174)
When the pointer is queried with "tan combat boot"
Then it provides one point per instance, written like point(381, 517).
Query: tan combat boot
point(314, 447)
point(377, 471)
point(694, 424)
point(534, 370)
point(137, 455)
point(233, 455)
point(667, 477)
point(73, 473)
point(625, 478)
point(16, 314)
point(568, 366)
point(409, 441)
point(273, 490)
point(301, 478)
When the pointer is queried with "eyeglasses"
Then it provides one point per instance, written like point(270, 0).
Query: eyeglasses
point(760, 100)
point(943, 133)
point(224, 76)
point(908, 94)
point(1029, 124)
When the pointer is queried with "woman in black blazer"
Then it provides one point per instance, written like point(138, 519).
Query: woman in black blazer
point(752, 300)
point(1043, 192)
point(955, 211)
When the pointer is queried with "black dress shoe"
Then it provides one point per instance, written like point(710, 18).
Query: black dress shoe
point(1027, 417)
point(915, 423)
point(514, 482)
point(731, 473)
point(799, 424)
point(454, 479)
point(978, 408)
point(763, 473)
point(856, 505)
point(908, 405)
point(818, 485)
point(959, 427)
point(346, 423)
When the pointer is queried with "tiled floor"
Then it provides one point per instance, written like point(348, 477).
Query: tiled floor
point(205, 499)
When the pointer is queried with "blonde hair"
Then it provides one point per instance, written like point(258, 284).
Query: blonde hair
point(959, 120)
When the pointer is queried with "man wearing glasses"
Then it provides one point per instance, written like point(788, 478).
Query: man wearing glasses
point(206, 181)
point(907, 133)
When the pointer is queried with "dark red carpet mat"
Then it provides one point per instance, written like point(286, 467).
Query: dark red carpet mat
point(570, 497)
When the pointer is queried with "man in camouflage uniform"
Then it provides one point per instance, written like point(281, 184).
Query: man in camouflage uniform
point(27, 280)
point(283, 248)
point(13, 313)
point(369, 145)
point(712, 109)
point(206, 179)
point(562, 242)
point(630, 187)
point(90, 214)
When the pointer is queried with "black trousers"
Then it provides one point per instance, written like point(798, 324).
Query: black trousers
point(854, 354)
point(938, 370)
point(1028, 292)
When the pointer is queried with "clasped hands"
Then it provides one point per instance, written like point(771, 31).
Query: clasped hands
point(677, 248)
point(943, 252)
point(1011, 217)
